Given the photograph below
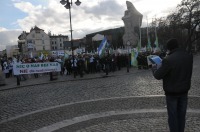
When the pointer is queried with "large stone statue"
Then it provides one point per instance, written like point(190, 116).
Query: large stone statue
point(132, 21)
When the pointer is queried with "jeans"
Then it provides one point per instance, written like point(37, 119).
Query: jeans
point(176, 108)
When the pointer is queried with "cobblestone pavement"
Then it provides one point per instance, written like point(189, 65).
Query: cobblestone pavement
point(19, 103)
point(141, 123)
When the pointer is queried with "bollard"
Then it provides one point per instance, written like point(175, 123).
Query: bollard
point(18, 79)
point(51, 76)
point(127, 68)
point(106, 69)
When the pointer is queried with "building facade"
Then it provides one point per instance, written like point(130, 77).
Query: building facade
point(12, 50)
point(34, 42)
point(57, 42)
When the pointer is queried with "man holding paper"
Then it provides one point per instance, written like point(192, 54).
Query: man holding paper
point(176, 72)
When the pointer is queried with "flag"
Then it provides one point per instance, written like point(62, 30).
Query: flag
point(148, 39)
point(149, 45)
point(134, 55)
point(111, 51)
point(41, 56)
point(102, 47)
point(156, 42)
point(139, 46)
point(66, 55)
point(139, 42)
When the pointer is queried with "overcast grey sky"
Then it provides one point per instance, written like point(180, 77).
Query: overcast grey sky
point(91, 16)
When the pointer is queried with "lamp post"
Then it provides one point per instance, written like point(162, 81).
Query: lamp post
point(68, 5)
point(128, 59)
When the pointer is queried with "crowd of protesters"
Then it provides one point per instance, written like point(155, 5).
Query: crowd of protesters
point(80, 64)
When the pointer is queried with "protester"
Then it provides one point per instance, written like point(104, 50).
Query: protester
point(6, 69)
point(74, 66)
point(80, 65)
point(33, 60)
point(2, 61)
point(119, 62)
point(60, 61)
point(176, 72)
point(91, 65)
point(68, 66)
point(10, 65)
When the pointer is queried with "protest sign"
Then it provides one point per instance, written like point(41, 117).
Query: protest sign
point(31, 68)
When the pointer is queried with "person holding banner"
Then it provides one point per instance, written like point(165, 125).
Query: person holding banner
point(176, 73)
point(51, 73)
point(35, 74)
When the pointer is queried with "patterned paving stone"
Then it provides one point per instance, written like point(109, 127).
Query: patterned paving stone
point(144, 124)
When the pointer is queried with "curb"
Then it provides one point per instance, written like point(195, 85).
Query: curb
point(78, 79)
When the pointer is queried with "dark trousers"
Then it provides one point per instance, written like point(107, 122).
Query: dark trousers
point(75, 70)
point(176, 108)
point(35, 75)
point(7, 75)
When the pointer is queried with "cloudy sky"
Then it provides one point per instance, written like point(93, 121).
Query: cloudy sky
point(91, 16)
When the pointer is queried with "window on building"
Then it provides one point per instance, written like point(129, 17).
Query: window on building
point(60, 45)
point(43, 47)
point(37, 31)
point(52, 47)
point(29, 41)
point(55, 47)
point(52, 42)
point(43, 41)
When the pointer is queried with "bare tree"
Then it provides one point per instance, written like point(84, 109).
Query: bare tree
point(187, 17)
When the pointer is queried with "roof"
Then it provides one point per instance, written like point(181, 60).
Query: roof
point(98, 37)
point(36, 28)
point(58, 36)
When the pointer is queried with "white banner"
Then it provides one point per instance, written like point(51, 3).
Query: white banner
point(60, 53)
point(31, 68)
point(54, 53)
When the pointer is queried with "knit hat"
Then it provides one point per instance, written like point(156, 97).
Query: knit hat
point(172, 44)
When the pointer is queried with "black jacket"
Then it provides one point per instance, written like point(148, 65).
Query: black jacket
point(176, 72)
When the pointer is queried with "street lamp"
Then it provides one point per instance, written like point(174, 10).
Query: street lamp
point(68, 5)
point(128, 59)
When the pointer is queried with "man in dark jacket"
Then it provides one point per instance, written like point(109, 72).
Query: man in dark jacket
point(176, 72)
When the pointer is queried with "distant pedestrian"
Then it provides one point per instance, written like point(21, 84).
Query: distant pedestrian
point(6, 69)
point(176, 72)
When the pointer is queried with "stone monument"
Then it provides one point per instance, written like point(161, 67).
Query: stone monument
point(132, 21)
